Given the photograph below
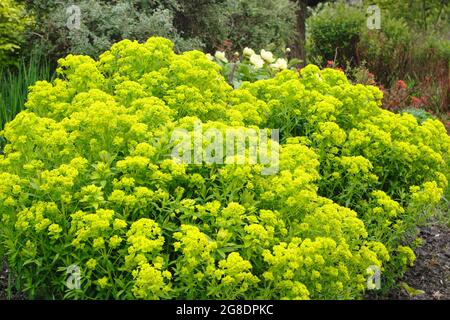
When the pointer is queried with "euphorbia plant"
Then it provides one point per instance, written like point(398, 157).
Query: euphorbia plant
point(86, 182)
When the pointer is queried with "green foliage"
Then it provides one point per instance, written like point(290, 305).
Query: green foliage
point(13, 22)
point(420, 114)
point(398, 51)
point(333, 32)
point(189, 24)
point(402, 51)
point(419, 14)
point(387, 49)
point(258, 24)
point(85, 180)
point(14, 83)
point(101, 24)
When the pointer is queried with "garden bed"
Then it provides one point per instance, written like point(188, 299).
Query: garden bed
point(431, 271)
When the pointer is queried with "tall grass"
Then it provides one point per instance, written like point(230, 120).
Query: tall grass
point(14, 83)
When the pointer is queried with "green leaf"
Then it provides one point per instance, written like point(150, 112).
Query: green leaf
point(410, 290)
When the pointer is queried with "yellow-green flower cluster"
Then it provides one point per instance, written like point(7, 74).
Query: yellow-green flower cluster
point(233, 276)
point(144, 239)
point(151, 282)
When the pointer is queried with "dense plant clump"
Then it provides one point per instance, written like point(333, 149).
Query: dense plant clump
point(86, 180)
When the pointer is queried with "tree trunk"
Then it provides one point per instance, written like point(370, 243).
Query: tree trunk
point(298, 48)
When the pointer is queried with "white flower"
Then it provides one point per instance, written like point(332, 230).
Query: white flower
point(257, 61)
point(280, 64)
point(220, 55)
point(267, 56)
point(288, 50)
point(248, 52)
point(209, 57)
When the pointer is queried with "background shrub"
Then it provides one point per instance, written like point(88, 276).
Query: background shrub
point(102, 24)
point(13, 22)
point(387, 49)
point(419, 14)
point(421, 58)
point(257, 24)
point(333, 32)
point(189, 24)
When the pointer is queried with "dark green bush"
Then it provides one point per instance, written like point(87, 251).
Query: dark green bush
point(259, 24)
point(333, 33)
point(412, 44)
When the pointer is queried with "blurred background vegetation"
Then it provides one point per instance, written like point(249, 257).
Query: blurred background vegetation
point(408, 57)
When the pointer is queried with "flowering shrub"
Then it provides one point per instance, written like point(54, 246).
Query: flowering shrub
point(85, 180)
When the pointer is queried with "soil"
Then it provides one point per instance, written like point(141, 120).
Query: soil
point(431, 271)
point(4, 279)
